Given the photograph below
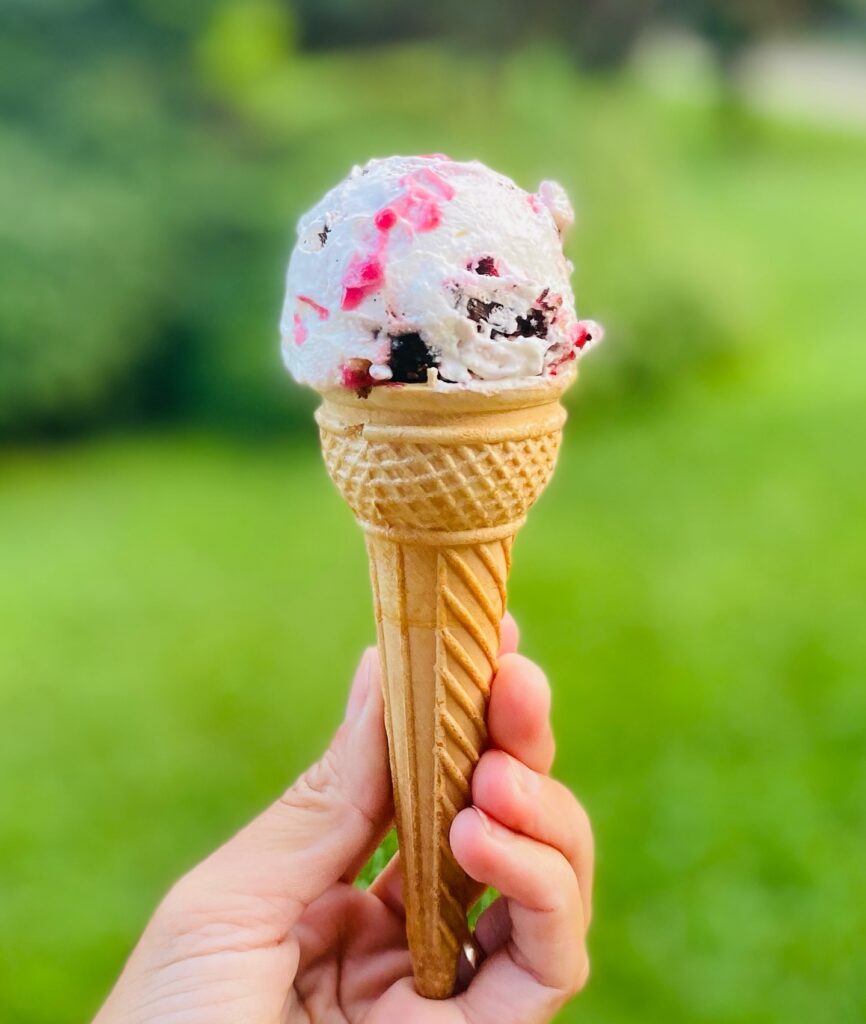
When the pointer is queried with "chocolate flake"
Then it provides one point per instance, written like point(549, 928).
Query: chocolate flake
point(478, 310)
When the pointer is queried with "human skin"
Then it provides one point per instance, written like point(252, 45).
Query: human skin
point(270, 929)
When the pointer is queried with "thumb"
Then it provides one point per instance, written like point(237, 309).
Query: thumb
point(324, 827)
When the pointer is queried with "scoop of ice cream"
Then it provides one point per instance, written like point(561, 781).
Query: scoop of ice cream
point(419, 264)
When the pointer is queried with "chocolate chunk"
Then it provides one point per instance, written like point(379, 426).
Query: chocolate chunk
point(533, 325)
point(410, 359)
point(478, 310)
point(323, 234)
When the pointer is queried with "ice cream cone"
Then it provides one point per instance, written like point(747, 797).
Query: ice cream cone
point(440, 481)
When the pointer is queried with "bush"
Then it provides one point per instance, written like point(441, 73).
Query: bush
point(150, 209)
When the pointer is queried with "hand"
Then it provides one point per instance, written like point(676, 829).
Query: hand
point(270, 929)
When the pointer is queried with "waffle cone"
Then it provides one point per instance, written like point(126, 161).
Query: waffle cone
point(440, 482)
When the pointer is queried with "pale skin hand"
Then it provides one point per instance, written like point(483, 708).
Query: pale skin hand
point(270, 930)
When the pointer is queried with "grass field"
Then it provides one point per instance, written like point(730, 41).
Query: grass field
point(181, 611)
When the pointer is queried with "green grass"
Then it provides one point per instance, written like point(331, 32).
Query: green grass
point(179, 613)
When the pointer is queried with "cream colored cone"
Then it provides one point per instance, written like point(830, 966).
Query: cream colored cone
point(440, 483)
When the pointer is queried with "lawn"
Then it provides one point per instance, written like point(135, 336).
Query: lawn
point(181, 611)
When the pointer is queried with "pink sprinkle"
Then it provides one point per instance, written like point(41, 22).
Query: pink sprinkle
point(434, 182)
point(418, 207)
point(435, 156)
point(426, 216)
point(535, 203)
point(385, 219)
point(577, 336)
point(583, 332)
point(355, 375)
point(364, 276)
point(321, 311)
point(300, 331)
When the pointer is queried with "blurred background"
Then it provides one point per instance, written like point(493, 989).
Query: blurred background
point(183, 595)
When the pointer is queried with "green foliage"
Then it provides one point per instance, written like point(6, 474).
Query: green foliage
point(244, 42)
point(596, 34)
point(79, 282)
point(155, 156)
point(146, 251)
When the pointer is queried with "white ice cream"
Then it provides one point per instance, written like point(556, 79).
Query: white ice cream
point(414, 263)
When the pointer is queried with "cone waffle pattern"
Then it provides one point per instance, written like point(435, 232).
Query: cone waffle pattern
point(424, 486)
point(440, 498)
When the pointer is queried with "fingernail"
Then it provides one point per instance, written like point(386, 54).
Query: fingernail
point(360, 687)
point(526, 780)
point(486, 823)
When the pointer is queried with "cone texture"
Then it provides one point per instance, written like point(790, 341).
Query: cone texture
point(440, 484)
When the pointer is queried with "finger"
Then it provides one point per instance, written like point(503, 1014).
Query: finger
point(544, 961)
point(388, 887)
point(519, 717)
point(493, 927)
point(322, 828)
point(491, 932)
point(509, 636)
point(402, 1003)
point(367, 686)
point(539, 807)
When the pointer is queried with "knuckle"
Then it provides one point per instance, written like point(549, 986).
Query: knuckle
point(577, 975)
point(318, 788)
point(486, 763)
point(325, 787)
point(565, 874)
point(542, 684)
point(484, 775)
point(185, 895)
point(560, 886)
point(580, 823)
point(176, 905)
point(536, 677)
point(191, 925)
point(577, 824)
point(583, 825)
point(531, 675)
point(181, 911)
